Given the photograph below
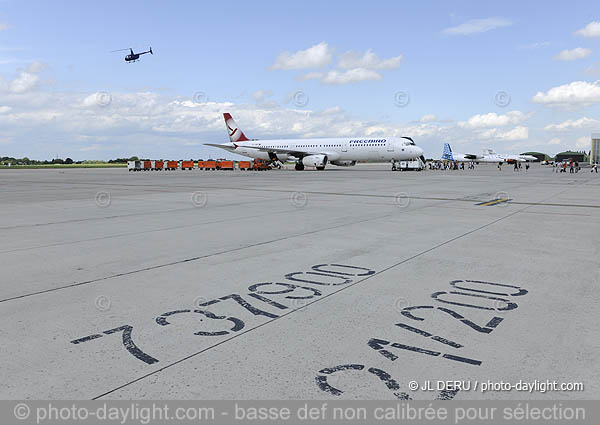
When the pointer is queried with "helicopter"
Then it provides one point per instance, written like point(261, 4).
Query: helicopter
point(133, 57)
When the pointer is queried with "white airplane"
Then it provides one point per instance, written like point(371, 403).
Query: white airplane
point(340, 151)
point(489, 153)
point(488, 156)
point(448, 155)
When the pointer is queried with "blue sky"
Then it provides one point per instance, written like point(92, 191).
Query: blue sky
point(450, 58)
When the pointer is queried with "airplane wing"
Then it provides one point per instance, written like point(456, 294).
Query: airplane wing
point(292, 152)
point(217, 145)
point(471, 156)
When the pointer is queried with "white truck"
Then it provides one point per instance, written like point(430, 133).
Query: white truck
point(414, 165)
point(134, 165)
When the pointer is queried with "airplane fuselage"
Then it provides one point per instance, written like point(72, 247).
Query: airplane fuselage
point(336, 149)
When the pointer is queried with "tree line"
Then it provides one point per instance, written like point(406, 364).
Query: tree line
point(5, 160)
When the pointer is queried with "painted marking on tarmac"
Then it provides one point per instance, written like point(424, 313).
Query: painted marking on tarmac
point(493, 202)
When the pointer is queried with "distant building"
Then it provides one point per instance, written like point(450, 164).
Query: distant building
point(595, 154)
point(568, 155)
point(539, 155)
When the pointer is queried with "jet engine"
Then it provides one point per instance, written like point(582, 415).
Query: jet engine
point(278, 157)
point(318, 161)
point(344, 163)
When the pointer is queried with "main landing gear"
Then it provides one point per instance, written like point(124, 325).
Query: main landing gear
point(299, 166)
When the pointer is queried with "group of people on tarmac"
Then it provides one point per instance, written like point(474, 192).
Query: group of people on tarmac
point(517, 166)
point(558, 167)
point(573, 166)
point(450, 165)
point(561, 167)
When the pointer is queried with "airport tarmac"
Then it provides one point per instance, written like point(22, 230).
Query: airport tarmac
point(343, 284)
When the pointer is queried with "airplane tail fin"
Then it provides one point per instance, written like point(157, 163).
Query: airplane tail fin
point(235, 134)
point(447, 154)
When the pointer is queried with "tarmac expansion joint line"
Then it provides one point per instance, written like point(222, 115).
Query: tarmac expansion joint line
point(104, 278)
point(200, 257)
point(369, 195)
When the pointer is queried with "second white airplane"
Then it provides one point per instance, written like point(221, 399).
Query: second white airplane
point(488, 156)
point(340, 151)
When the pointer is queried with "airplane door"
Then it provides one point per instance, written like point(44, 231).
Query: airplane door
point(390, 146)
point(344, 146)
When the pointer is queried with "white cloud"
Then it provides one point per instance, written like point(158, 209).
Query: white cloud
point(25, 81)
point(537, 45)
point(36, 67)
point(332, 111)
point(590, 30)
point(343, 77)
point(517, 133)
point(573, 54)
point(493, 119)
point(555, 141)
point(356, 66)
point(583, 142)
point(350, 76)
point(369, 60)
point(475, 26)
point(577, 93)
point(317, 56)
point(583, 122)
point(4, 27)
point(5, 109)
point(311, 76)
point(262, 95)
point(428, 118)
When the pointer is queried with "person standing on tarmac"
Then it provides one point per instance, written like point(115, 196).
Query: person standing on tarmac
point(595, 167)
point(516, 167)
point(526, 166)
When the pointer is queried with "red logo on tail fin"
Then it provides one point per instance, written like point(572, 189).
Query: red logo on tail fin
point(235, 134)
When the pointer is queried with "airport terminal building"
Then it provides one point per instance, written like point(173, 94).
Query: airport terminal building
point(595, 154)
